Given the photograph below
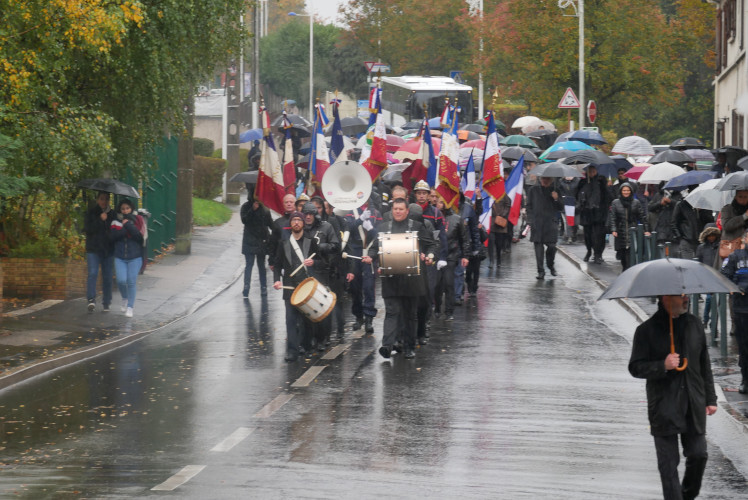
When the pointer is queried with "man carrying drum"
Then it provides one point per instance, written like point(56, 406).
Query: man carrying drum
point(293, 254)
point(401, 291)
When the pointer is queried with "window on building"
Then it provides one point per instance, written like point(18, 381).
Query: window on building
point(738, 125)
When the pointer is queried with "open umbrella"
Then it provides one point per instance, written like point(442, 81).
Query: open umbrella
point(525, 121)
point(518, 140)
point(591, 156)
point(475, 143)
point(394, 142)
point(566, 146)
point(668, 277)
point(587, 136)
point(411, 149)
point(699, 154)
point(634, 145)
point(474, 127)
point(411, 125)
point(555, 169)
point(559, 154)
point(539, 125)
point(467, 135)
point(544, 138)
point(563, 136)
point(660, 172)
point(682, 181)
point(708, 197)
point(637, 170)
point(688, 143)
point(353, 125)
point(246, 177)
point(672, 156)
point(110, 186)
point(516, 152)
point(736, 180)
point(293, 118)
point(253, 134)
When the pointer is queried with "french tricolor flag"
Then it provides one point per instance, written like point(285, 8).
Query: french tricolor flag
point(569, 209)
point(467, 183)
point(514, 186)
point(270, 188)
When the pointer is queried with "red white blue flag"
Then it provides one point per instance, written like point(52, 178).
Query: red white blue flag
point(493, 178)
point(467, 184)
point(270, 188)
point(448, 187)
point(514, 187)
point(319, 159)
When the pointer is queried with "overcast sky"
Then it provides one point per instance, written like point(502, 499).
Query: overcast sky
point(326, 9)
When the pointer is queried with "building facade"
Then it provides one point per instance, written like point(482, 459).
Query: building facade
point(731, 79)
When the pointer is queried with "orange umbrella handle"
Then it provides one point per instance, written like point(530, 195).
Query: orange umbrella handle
point(672, 347)
point(685, 364)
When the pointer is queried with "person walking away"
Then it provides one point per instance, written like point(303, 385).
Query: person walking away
point(567, 188)
point(126, 234)
point(401, 291)
point(593, 202)
point(500, 225)
point(663, 205)
point(625, 212)
point(255, 242)
point(99, 251)
point(543, 207)
point(293, 253)
point(678, 401)
point(687, 224)
point(472, 223)
point(736, 269)
point(708, 253)
point(458, 249)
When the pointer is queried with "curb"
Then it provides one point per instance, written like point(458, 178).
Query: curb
point(39, 368)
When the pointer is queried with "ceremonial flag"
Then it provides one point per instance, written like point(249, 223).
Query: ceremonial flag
point(289, 169)
point(336, 144)
point(375, 105)
point(270, 188)
point(467, 183)
point(446, 118)
point(569, 210)
point(319, 159)
point(485, 216)
point(493, 178)
point(514, 186)
point(425, 163)
point(374, 159)
point(448, 178)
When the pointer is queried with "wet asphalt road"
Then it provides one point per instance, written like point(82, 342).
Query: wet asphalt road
point(525, 395)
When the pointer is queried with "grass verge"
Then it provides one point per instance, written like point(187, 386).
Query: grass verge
point(209, 212)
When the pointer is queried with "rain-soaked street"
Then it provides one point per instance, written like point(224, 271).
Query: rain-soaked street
point(525, 395)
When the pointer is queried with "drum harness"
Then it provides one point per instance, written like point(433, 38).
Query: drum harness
point(299, 254)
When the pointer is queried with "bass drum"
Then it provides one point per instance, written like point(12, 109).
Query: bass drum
point(399, 254)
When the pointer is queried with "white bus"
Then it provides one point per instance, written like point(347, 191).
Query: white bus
point(404, 97)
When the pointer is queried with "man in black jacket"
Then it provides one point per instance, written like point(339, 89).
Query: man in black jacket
point(255, 242)
point(687, 224)
point(99, 251)
point(543, 208)
point(678, 399)
point(593, 202)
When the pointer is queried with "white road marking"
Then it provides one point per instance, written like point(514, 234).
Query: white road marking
point(274, 405)
point(308, 376)
point(35, 308)
point(336, 351)
point(235, 438)
point(178, 479)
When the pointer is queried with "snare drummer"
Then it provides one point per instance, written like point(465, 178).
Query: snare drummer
point(401, 292)
point(290, 255)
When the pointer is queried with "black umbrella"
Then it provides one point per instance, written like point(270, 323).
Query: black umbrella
point(474, 127)
point(687, 143)
point(516, 152)
point(555, 169)
point(591, 156)
point(672, 156)
point(110, 186)
point(559, 154)
point(246, 177)
point(353, 125)
point(412, 125)
point(294, 119)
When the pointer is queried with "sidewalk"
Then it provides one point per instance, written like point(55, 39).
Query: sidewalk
point(726, 371)
point(57, 333)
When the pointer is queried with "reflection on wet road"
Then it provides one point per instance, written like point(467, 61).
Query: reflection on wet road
point(524, 395)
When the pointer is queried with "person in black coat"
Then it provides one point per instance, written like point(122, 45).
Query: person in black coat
point(625, 212)
point(99, 250)
point(543, 208)
point(401, 291)
point(687, 223)
point(662, 205)
point(735, 268)
point(593, 200)
point(255, 242)
point(678, 401)
point(458, 251)
point(708, 253)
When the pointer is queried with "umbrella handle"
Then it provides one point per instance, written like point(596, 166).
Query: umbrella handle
point(672, 346)
point(685, 364)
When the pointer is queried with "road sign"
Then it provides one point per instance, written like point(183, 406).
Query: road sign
point(591, 111)
point(457, 76)
point(369, 65)
point(569, 100)
point(380, 68)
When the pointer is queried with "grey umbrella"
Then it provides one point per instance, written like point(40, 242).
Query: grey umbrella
point(672, 156)
point(668, 277)
point(110, 186)
point(246, 177)
point(516, 152)
point(593, 156)
point(555, 169)
point(736, 180)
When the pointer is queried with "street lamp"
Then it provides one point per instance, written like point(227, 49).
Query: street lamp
point(311, 57)
point(579, 12)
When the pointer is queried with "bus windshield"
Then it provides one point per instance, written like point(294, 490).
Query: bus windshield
point(434, 103)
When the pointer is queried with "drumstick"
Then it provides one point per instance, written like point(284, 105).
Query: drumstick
point(346, 255)
point(302, 264)
point(288, 287)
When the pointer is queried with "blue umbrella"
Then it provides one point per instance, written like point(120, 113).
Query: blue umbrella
point(566, 146)
point(253, 134)
point(587, 136)
point(435, 123)
point(689, 179)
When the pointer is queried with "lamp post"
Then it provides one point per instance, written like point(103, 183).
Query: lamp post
point(578, 12)
point(311, 57)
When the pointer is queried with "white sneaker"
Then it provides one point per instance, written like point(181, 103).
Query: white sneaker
point(124, 305)
point(128, 313)
point(91, 307)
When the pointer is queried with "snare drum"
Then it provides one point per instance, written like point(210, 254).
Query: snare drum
point(313, 299)
point(398, 253)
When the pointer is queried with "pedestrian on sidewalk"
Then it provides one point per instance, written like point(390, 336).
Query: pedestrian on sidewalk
point(500, 225)
point(687, 224)
point(663, 206)
point(735, 268)
point(99, 251)
point(626, 212)
point(593, 202)
point(255, 242)
point(126, 233)
point(708, 253)
point(678, 401)
point(543, 207)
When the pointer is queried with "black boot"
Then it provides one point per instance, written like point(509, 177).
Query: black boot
point(367, 324)
point(587, 255)
point(357, 324)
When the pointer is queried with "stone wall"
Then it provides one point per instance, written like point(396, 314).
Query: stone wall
point(42, 278)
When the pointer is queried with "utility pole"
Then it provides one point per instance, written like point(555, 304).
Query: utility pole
point(185, 163)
